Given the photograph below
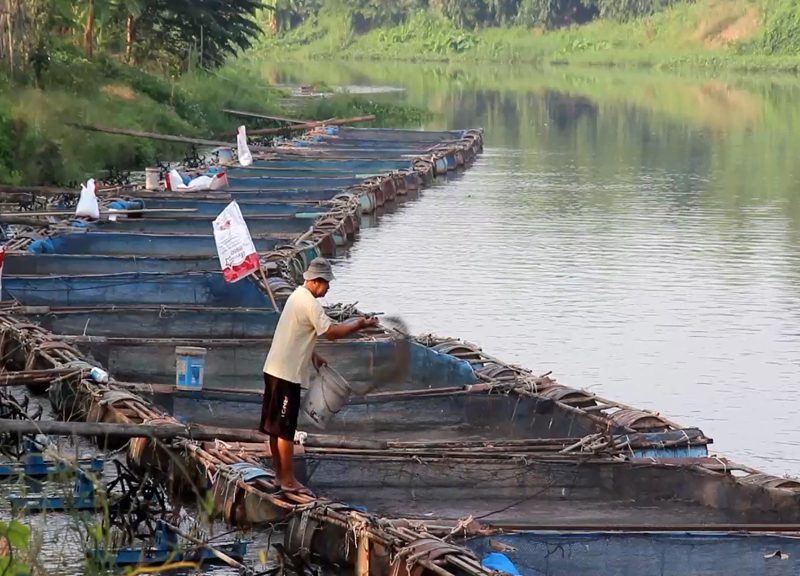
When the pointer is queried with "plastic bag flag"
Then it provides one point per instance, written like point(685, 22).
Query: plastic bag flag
point(245, 158)
point(237, 254)
point(87, 203)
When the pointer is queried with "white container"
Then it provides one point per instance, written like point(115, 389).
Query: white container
point(98, 375)
point(225, 155)
point(325, 398)
point(152, 179)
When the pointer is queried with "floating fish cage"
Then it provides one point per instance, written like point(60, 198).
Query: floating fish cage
point(438, 459)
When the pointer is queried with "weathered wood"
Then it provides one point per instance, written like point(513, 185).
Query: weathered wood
point(264, 116)
point(218, 553)
point(34, 222)
point(156, 136)
point(44, 376)
point(171, 431)
point(4, 215)
point(164, 432)
point(643, 527)
point(309, 125)
point(284, 129)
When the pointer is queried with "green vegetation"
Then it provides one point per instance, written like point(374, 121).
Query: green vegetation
point(154, 34)
point(36, 146)
point(152, 65)
point(144, 64)
point(158, 65)
point(735, 34)
point(782, 28)
point(14, 544)
point(364, 15)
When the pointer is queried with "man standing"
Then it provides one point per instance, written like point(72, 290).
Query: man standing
point(288, 365)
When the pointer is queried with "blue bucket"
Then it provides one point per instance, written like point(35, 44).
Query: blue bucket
point(189, 364)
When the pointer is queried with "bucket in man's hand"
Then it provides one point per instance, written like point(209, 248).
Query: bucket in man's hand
point(325, 398)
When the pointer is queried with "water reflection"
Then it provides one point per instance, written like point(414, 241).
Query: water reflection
point(637, 234)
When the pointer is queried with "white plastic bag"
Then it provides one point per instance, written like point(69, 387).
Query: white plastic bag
point(174, 181)
point(220, 181)
point(245, 158)
point(205, 182)
point(87, 203)
point(237, 253)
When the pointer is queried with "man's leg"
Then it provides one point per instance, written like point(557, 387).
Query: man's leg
point(290, 408)
point(269, 422)
point(287, 477)
point(276, 459)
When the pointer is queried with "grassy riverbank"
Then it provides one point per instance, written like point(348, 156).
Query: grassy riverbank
point(731, 34)
point(38, 147)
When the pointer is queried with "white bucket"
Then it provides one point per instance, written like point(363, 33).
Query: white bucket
point(225, 155)
point(325, 398)
point(152, 179)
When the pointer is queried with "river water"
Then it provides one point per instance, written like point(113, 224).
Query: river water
point(636, 233)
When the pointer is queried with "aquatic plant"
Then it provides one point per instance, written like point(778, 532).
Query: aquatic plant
point(14, 546)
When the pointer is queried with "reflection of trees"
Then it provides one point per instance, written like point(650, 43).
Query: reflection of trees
point(689, 141)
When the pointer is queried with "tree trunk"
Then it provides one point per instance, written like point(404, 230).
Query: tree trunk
point(88, 33)
point(130, 27)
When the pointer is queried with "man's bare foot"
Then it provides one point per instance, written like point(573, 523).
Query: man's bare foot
point(296, 488)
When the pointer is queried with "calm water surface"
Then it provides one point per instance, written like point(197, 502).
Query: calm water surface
point(638, 235)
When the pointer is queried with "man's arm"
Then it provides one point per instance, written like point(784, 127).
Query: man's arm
point(317, 361)
point(344, 329)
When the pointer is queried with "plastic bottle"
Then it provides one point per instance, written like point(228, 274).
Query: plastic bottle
point(98, 375)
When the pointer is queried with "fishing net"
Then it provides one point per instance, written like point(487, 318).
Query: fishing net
point(401, 361)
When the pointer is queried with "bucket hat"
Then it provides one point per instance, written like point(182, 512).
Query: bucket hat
point(319, 268)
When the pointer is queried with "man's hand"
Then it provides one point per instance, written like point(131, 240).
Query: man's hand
point(318, 361)
point(369, 322)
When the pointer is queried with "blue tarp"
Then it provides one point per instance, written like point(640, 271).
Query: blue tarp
point(501, 563)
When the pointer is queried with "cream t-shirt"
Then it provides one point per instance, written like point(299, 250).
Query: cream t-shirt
point(302, 320)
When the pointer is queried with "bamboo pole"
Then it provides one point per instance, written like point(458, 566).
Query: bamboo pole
point(315, 124)
point(170, 432)
point(218, 553)
point(164, 432)
point(156, 136)
point(643, 527)
point(44, 376)
point(264, 116)
point(268, 287)
point(104, 212)
point(11, 189)
point(362, 557)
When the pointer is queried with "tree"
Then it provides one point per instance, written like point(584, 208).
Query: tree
point(210, 30)
point(554, 13)
point(88, 31)
point(133, 10)
point(462, 13)
point(502, 12)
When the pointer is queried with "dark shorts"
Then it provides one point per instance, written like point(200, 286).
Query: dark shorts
point(280, 407)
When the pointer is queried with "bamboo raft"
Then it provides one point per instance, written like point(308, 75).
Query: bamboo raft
point(370, 541)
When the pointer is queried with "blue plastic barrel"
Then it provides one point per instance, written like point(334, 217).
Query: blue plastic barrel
point(189, 364)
